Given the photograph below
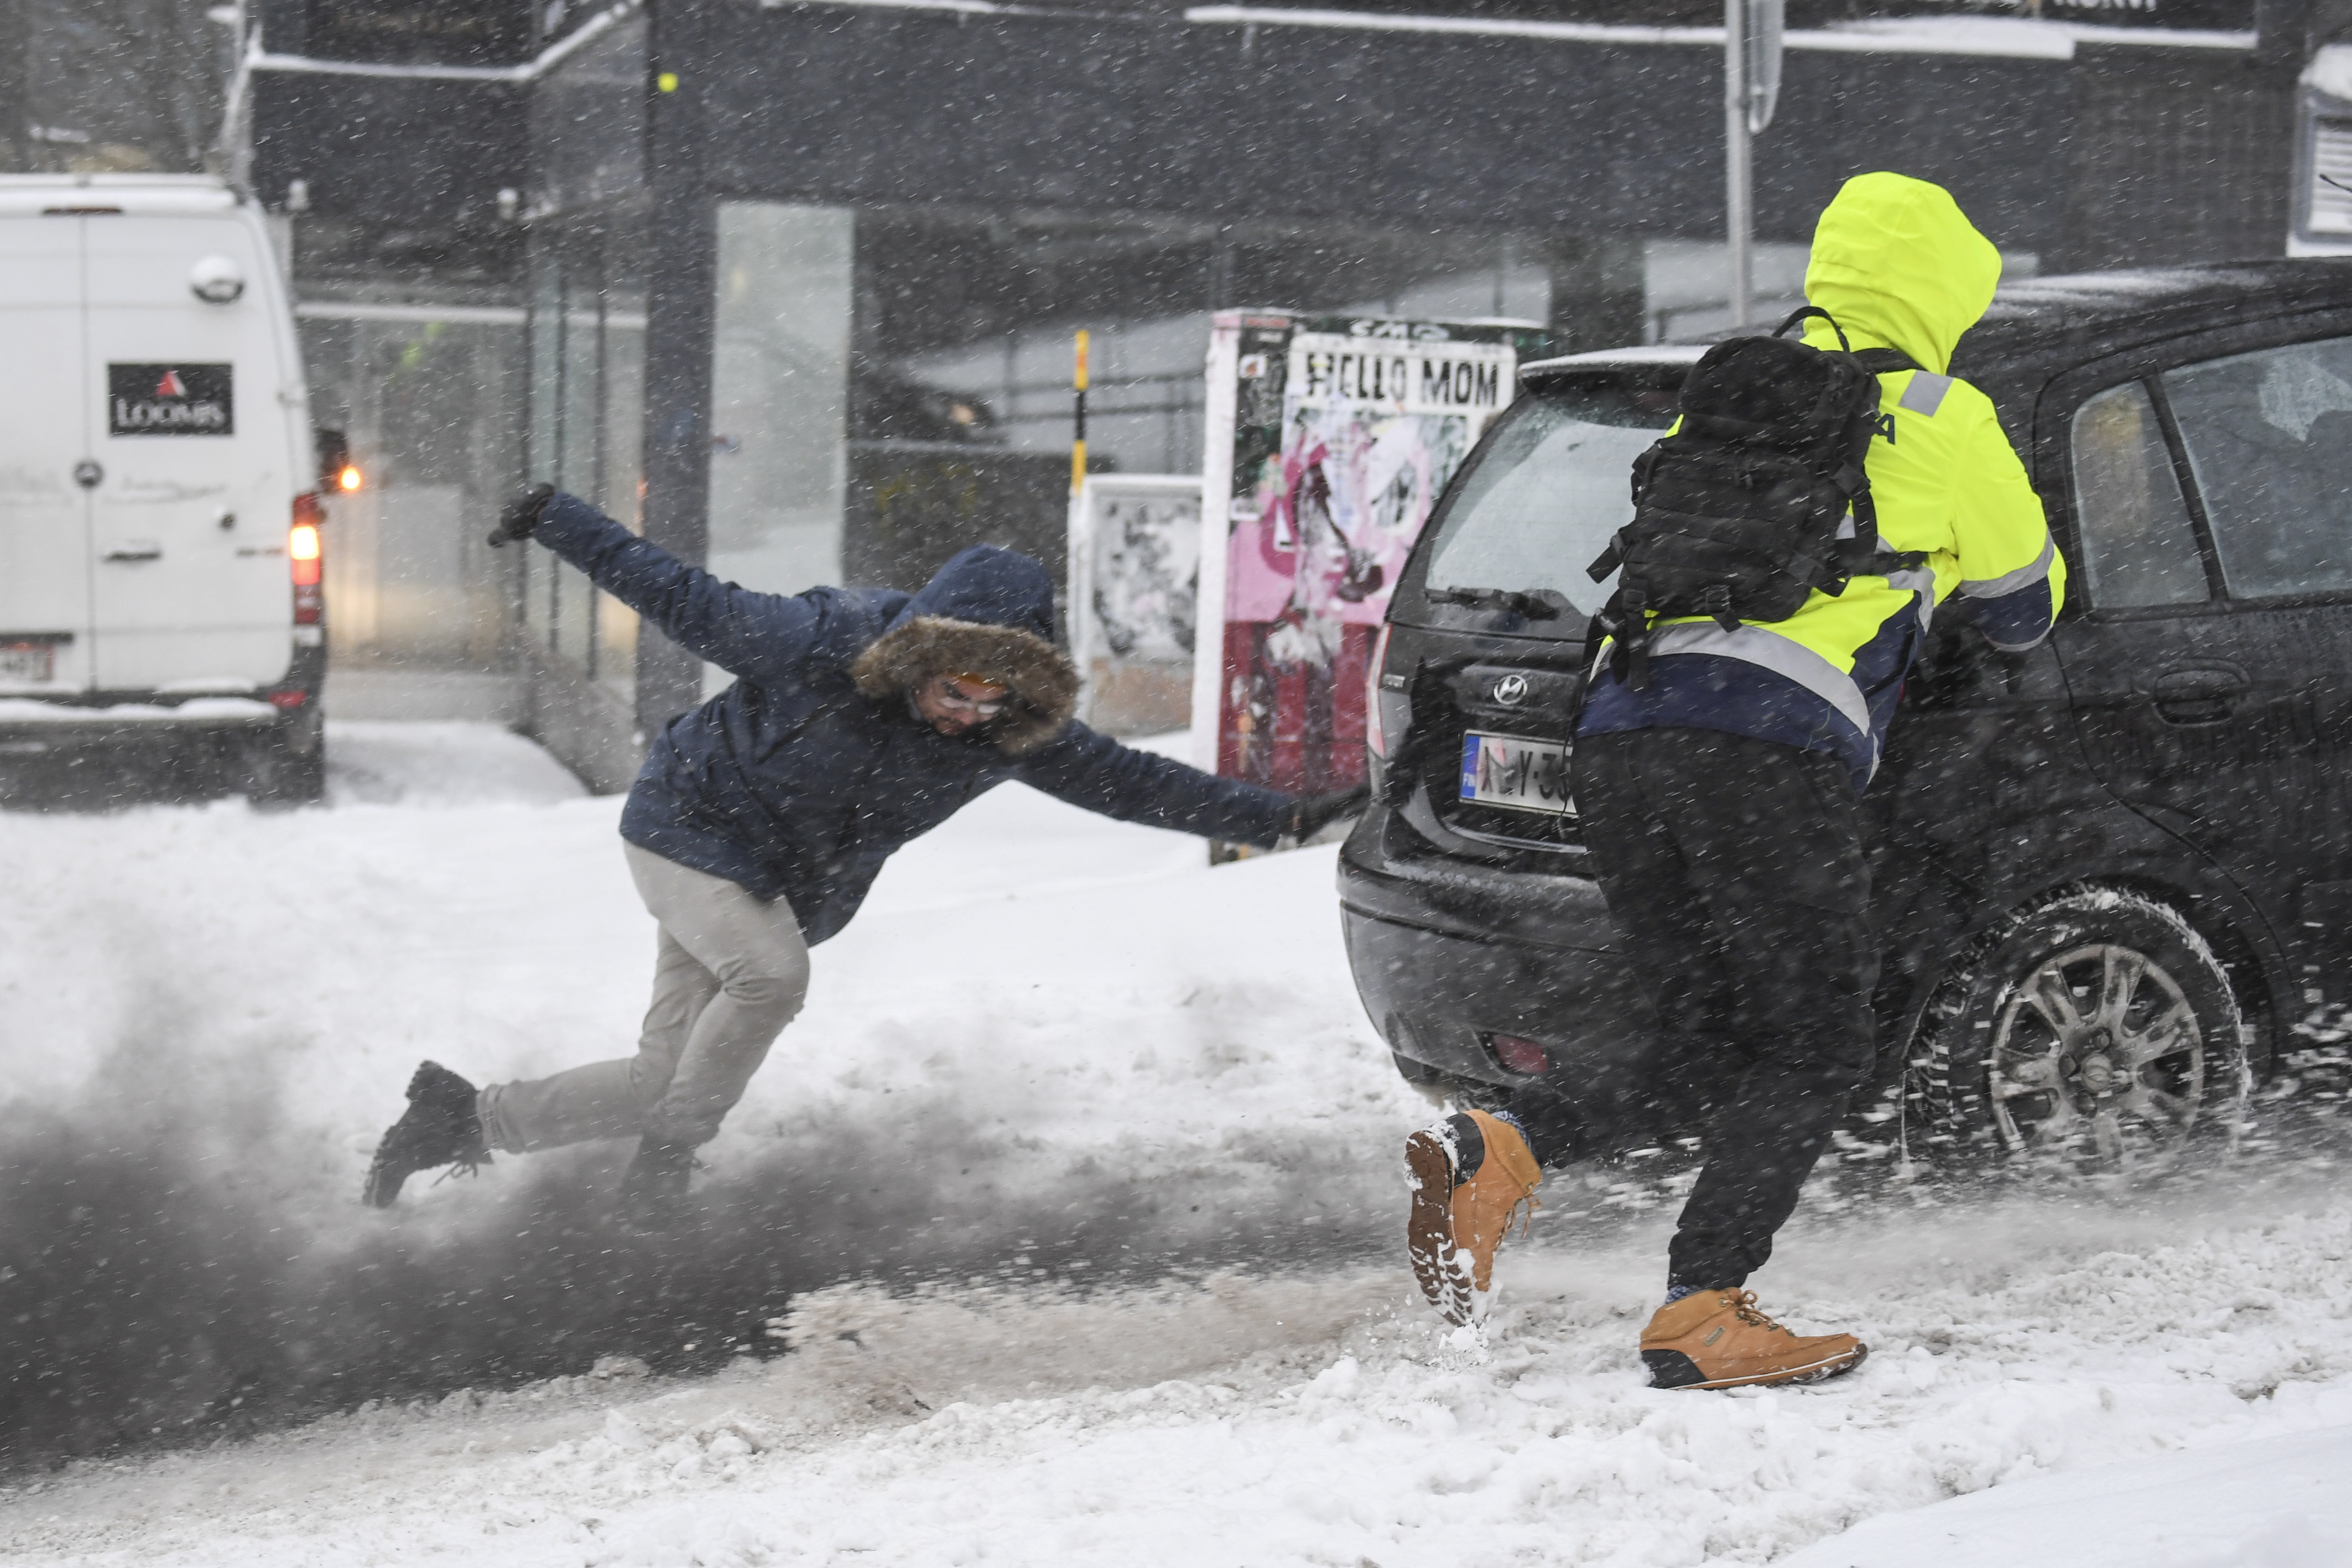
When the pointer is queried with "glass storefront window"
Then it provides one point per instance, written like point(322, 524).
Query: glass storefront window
point(580, 451)
point(623, 488)
point(424, 395)
point(780, 390)
point(586, 410)
point(542, 459)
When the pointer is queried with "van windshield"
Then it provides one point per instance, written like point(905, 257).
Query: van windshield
point(1544, 496)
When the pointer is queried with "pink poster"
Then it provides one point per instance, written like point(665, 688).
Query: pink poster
point(1343, 432)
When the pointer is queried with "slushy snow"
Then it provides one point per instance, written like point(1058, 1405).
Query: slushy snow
point(2161, 1379)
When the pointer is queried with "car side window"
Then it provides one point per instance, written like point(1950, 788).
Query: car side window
point(2269, 436)
point(2138, 548)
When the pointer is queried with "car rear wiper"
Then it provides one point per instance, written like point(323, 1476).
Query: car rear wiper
point(1532, 606)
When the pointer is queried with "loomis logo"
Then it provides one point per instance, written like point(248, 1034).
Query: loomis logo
point(169, 400)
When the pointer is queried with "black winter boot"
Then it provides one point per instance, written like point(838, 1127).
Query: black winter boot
point(439, 1128)
point(653, 1189)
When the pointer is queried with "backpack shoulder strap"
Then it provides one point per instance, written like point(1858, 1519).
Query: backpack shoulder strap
point(1806, 312)
point(1877, 361)
point(1886, 362)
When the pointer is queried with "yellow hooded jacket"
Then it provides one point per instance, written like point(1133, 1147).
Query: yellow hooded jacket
point(1899, 267)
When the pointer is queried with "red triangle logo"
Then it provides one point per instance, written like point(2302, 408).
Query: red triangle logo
point(171, 385)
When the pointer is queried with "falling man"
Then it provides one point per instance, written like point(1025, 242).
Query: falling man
point(859, 720)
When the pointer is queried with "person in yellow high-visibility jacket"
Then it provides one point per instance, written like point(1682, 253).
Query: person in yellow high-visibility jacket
point(1719, 803)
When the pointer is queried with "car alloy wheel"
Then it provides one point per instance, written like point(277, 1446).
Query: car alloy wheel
point(2100, 1047)
point(2094, 1032)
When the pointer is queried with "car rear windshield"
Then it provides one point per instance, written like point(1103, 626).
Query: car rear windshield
point(1542, 499)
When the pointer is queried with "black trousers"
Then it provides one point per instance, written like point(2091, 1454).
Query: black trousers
point(1735, 869)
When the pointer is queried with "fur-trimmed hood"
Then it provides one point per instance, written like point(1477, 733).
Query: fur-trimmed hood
point(989, 612)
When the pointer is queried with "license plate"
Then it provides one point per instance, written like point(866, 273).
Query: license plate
point(28, 661)
point(1514, 772)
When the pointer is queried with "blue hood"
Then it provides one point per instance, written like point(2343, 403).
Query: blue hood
point(989, 586)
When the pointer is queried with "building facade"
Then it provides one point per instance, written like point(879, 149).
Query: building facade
point(790, 287)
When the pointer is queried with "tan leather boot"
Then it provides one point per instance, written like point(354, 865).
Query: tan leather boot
point(1456, 1221)
point(1716, 1339)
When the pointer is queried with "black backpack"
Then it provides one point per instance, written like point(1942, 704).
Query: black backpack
point(1737, 514)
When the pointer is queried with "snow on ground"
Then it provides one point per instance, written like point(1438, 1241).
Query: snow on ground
point(2271, 1502)
point(1072, 1195)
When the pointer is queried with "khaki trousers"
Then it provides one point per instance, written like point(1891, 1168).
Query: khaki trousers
point(730, 973)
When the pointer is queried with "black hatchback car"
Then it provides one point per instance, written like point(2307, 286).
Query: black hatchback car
point(2109, 873)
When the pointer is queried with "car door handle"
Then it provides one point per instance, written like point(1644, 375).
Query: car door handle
point(136, 550)
point(2199, 695)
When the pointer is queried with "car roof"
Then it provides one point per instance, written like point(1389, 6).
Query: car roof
point(2048, 323)
point(2042, 327)
point(2154, 302)
point(23, 194)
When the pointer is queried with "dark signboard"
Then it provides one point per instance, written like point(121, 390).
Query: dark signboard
point(2207, 15)
point(2227, 15)
point(169, 400)
point(420, 32)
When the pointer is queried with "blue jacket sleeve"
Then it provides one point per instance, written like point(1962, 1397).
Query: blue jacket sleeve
point(763, 637)
point(1097, 772)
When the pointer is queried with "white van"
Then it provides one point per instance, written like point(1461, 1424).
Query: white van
point(158, 526)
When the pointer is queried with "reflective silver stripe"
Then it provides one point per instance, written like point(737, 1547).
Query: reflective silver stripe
point(2010, 581)
point(1920, 580)
point(1926, 392)
point(1754, 645)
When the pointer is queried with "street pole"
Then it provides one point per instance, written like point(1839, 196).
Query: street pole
point(1078, 420)
point(1737, 218)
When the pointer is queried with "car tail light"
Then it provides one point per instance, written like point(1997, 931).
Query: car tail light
point(1518, 1054)
point(1376, 734)
point(303, 556)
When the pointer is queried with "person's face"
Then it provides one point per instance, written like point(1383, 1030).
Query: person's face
point(954, 704)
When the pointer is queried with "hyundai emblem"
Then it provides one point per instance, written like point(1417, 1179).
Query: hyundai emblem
point(1511, 690)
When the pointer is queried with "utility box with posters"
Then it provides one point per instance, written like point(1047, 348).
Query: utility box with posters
point(1135, 566)
point(1329, 440)
point(2320, 204)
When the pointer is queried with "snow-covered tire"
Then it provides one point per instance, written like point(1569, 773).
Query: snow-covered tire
point(2092, 1032)
point(287, 769)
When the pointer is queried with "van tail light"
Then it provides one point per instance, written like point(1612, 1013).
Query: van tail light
point(1376, 732)
point(303, 559)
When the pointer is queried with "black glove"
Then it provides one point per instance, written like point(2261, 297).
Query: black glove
point(520, 516)
point(1310, 814)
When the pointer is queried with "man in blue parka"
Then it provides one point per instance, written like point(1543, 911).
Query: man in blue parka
point(860, 719)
